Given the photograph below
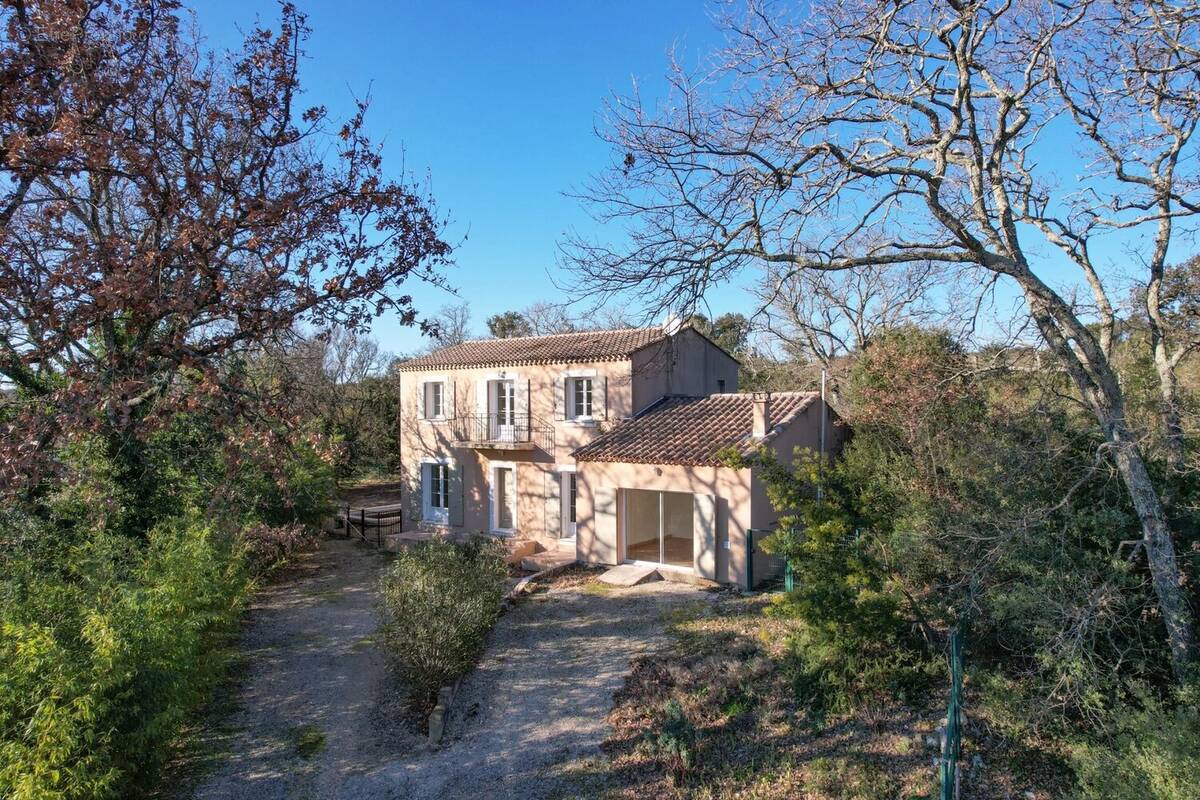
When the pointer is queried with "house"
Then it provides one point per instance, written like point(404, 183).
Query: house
point(654, 491)
point(601, 444)
point(488, 427)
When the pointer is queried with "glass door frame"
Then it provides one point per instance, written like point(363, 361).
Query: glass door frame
point(662, 555)
point(494, 498)
point(502, 415)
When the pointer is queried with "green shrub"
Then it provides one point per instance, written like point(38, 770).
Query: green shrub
point(673, 741)
point(440, 599)
point(1151, 752)
point(106, 647)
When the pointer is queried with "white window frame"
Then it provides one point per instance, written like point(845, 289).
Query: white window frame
point(493, 510)
point(430, 512)
point(570, 379)
point(427, 394)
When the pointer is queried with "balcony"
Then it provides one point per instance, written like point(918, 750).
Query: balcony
point(498, 431)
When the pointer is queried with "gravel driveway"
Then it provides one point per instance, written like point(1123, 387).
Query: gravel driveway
point(319, 716)
point(316, 703)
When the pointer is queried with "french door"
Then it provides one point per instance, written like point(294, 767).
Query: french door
point(504, 498)
point(503, 412)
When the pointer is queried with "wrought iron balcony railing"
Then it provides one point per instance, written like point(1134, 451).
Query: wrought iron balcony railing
point(504, 432)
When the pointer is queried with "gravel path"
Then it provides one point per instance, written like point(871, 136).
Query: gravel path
point(316, 704)
point(319, 715)
point(536, 705)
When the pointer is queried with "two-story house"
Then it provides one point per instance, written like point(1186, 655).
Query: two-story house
point(488, 426)
point(506, 436)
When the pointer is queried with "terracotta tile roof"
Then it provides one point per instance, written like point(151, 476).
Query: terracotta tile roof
point(691, 430)
point(554, 349)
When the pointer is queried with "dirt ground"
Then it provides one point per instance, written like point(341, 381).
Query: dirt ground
point(319, 715)
point(315, 703)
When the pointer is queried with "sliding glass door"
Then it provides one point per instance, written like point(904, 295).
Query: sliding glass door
point(658, 527)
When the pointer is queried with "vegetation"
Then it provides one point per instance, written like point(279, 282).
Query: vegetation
point(169, 219)
point(440, 599)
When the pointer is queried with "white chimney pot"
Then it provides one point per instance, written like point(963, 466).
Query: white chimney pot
point(760, 402)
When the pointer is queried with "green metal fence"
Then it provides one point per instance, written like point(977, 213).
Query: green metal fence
point(948, 771)
point(778, 576)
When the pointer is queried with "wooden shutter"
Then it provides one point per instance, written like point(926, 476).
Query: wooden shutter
point(481, 396)
point(600, 397)
point(560, 398)
point(454, 474)
point(604, 526)
point(422, 388)
point(554, 508)
point(704, 533)
point(522, 402)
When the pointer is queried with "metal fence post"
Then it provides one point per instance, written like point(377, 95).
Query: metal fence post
point(749, 559)
point(952, 739)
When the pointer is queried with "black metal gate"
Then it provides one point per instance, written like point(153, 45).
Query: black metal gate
point(371, 524)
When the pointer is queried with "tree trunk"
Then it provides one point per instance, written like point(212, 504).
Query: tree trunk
point(1173, 446)
point(1160, 549)
point(1097, 383)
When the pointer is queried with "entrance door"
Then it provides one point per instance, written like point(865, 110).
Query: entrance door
point(659, 527)
point(503, 411)
point(504, 498)
point(568, 493)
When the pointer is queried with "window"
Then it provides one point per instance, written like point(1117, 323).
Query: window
point(721, 386)
point(581, 398)
point(571, 495)
point(437, 492)
point(435, 400)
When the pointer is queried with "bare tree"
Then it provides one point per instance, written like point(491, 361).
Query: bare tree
point(856, 134)
point(547, 318)
point(452, 325)
point(338, 380)
point(823, 317)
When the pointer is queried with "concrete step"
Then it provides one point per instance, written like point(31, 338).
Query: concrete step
point(630, 575)
point(547, 559)
point(519, 550)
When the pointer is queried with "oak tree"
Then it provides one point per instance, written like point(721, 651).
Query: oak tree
point(848, 135)
point(165, 210)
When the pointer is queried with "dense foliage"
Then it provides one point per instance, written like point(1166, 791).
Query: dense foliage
point(109, 640)
point(439, 601)
point(975, 494)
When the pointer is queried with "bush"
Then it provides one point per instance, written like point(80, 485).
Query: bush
point(1151, 752)
point(107, 646)
point(673, 741)
point(440, 599)
point(269, 545)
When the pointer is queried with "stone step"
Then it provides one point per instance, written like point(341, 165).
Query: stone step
point(630, 575)
point(547, 559)
point(519, 550)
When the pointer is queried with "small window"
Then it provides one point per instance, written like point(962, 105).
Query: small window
point(435, 400)
point(571, 493)
point(581, 398)
point(721, 386)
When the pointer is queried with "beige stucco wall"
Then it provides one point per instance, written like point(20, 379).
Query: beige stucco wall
point(686, 363)
point(741, 497)
point(730, 487)
point(536, 384)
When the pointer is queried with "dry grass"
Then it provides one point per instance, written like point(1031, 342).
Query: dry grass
point(751, 737)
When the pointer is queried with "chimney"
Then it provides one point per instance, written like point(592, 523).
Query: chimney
point(760, 402)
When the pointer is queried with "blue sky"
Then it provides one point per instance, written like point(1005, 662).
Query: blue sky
point(497, 101)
